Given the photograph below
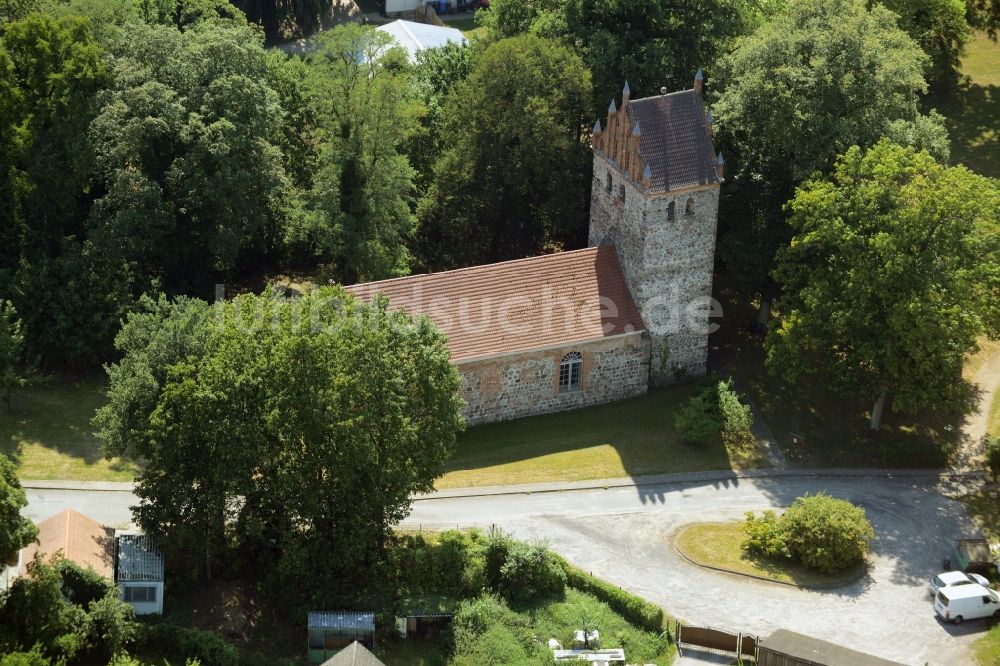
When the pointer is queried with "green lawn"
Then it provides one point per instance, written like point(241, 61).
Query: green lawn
point(835, 427)
point(973, 111)
point(47, 432)
point(627, 438)
point(987, 648)
point(718, 545)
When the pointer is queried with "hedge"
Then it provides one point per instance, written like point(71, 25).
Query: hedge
point(635, 610)
point(208, 648)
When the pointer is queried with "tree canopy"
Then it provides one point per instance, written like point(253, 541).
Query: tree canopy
point(514, 175)
point(649, 44)
point(889, 279)
point(320, 414)
point(820, 77)
point(16, 531)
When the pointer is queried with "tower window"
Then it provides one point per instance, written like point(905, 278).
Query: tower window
point(670, 211)
point(621, 193)
point(609, 185)
point(689, 207)
point(570, 372)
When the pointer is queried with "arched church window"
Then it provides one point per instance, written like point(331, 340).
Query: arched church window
point(670, 211)
point(609, 185)
point(689, 207)
point(570, 372)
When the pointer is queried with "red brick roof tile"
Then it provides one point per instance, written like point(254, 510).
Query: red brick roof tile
point(81, 540)
point(521, 305)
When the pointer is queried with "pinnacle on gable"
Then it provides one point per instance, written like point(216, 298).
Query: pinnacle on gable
point(718, 159)
point(611, 107)
point(635, 130)
point(597, 126)
point(626, 91)
point(647, 173)
point(699, 75)
point(709, 117)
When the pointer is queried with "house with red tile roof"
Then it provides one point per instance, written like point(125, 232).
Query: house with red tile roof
point(589, 326)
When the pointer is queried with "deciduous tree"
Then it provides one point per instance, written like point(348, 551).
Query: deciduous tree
point(821, 76)
point(359, 212)
point(515, 173)
point(16, 531)
point(889, 279)
point(296, 429)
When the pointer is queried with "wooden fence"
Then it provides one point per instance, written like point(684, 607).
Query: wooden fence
point(739, 645)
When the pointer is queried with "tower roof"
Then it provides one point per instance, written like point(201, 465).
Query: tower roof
point(674, 142)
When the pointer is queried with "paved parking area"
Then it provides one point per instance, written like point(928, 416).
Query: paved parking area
point(625, 535)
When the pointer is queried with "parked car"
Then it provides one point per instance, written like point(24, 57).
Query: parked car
point(966, 602)
point(952, 578)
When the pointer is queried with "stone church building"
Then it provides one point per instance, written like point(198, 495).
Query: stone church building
point(589, 326)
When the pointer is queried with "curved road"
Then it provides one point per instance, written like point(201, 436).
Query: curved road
point(623, 534)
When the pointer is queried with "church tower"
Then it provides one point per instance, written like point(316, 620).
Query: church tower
point(655, 197)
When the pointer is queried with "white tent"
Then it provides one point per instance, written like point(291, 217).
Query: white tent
point(415, 37)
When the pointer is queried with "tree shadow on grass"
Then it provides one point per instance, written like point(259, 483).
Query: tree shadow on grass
point(972, 115)
point(629, 438)
point(53, 414)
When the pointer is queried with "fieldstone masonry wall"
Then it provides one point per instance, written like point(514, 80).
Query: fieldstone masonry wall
point(510, 387)
point(667, 258)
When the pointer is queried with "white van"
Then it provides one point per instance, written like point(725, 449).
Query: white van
point(966, 602)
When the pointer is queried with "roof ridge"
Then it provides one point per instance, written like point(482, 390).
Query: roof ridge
point(452, 271)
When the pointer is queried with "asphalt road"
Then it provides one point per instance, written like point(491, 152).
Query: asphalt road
point(624, 535)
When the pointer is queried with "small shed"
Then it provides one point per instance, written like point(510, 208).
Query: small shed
point(329, 632)
point(424, 616)
point(139, 573)
point(788, 648)
point(974, 556)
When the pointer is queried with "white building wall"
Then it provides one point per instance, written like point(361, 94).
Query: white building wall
point(147, 607)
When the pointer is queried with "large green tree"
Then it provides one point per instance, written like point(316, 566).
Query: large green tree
point(11, 351)
point(359, 212)
point(16, 531)
point(191, 183)
point(514, 177)
point(296, 430)
point(891, 276)
point(650, 44)
point(941, 30)
point(820, 77)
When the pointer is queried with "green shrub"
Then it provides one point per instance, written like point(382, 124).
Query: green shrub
point(993, 456)
point(764, 536)
point(698, 421)
point(208, 648)
point(35, 612)
point(736, 417)
point(497, 646)
point(82, 586)
point(112, 624)
point(636, 610)
point(825, 533)
point(530, 572)
point(32, 658)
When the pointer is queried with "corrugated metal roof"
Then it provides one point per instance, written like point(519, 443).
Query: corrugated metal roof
point(341, 620)
point(520, 305)
point(139, 558)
